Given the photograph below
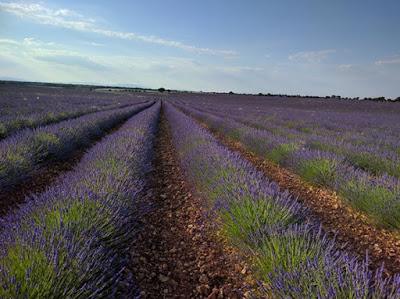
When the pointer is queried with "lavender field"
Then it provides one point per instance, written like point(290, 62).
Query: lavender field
point(128, 194)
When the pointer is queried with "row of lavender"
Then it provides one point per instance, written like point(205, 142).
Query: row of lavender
point(72, 240)
point(11, 125)
point(369, 152)
point(332, 117)
point(367, 140)
point(22, 153)
point(26, 100)
point(378, 195)
point(32, 107)
point(292, 257)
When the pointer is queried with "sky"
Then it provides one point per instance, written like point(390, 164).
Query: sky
point(310, 47)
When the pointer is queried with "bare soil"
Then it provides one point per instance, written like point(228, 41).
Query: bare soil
point(177, 253)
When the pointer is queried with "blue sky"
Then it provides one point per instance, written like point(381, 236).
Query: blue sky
point(349, 48)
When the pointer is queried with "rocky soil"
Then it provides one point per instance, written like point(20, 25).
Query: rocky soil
point(177, 254)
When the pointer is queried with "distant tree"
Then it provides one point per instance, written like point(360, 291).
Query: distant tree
point(260, 94)
point(231, 92)
point(161, 89)
point(397, 99)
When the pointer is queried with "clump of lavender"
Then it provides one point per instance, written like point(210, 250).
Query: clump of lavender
point(22, 153)
point(70, 241)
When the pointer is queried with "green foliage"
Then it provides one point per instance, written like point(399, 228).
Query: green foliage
point(321, 172)
point(78, 215)
point(278, 131)
point(235, 134)
point(371, 163)
point(108, 166)
point(220, 175)
point(246, 216)
point(44, 143)
point(357, 142)
point(189, 146)
point(31, 269)
point(318, 145)
point(291, 136)
point(286, 251)
point(63, 115)
point(35, 272)
point(15, 158)
point(50, 117)
point(291, 124)
point(257, 146)
point(305, 130)
point(3, 130)
point(377, 201)
point(321, 279)
point(282, 152)
point(19, 123)
point(12, 163)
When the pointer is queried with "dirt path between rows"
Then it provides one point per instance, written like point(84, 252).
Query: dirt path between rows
point(353, 230)
point(176, 254)
point(46, 174)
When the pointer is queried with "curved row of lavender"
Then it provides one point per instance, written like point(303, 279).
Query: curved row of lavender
point(72, 240)
point(292, 257)
point(367, 140)
point(22, 153)
point(28, 107)
point(378, 196)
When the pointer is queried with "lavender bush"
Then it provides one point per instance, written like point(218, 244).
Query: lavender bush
point(29, 107)
point(22, 153)
point(71, 241)
point(369, 140)
point(376, 195)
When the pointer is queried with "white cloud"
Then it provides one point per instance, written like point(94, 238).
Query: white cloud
point(49, 52)
point(8, 41)
point(239, 69)
point(345, 67)
point(72, 20)
point(311, 56)
point(47, 61)
point(94, 44)
point(31, 41)
point(389, 61)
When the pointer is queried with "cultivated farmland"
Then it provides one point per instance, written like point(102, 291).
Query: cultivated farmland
point(122, 194)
